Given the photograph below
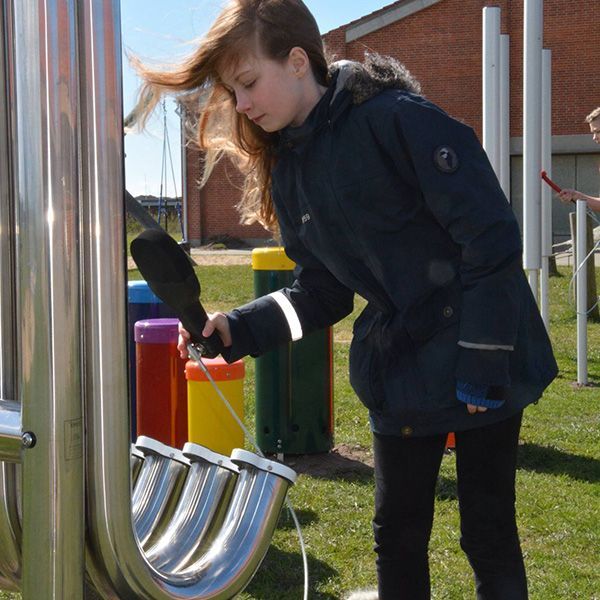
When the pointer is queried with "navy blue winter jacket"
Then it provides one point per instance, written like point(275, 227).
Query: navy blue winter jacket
point(394, 200)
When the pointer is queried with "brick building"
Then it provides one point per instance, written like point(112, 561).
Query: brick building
point(440, 41)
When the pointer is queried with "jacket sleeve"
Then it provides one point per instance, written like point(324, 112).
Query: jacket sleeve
point(315, 300)
point(443, 158)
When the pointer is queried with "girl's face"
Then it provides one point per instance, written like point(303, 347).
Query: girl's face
point(273, 94)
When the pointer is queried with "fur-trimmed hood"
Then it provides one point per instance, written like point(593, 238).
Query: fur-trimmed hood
point(375, 74)
point(352, 83)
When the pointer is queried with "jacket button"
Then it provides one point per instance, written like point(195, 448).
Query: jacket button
point(406, 431)
point(448, 311)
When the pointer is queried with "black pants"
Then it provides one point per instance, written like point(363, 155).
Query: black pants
point(406, 471)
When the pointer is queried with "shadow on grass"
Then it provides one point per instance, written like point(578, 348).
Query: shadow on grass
point(281, 575)
point(333, 465)
point(445, 488)
point(305, 517)
point(543, 459)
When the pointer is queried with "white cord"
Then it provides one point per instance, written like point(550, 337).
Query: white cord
point(195, 354)
point(583, 263)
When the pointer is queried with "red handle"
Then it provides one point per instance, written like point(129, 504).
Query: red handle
point(549, 181)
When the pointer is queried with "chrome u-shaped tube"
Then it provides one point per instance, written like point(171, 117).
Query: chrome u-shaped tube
point(72, 296)
point(246, 532)
point(157, 488)
point(200, 512)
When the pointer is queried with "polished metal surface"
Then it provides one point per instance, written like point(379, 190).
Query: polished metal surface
point(157, 489)
point(47, 192)
point(136, 460)
point(11, 435)
point(237, 551)
point(205, 522)
point(200, 512)
point(10, 527)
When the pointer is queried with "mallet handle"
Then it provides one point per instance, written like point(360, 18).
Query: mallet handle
point(551, 183)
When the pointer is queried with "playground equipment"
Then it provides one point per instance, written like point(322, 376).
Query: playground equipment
point(68, 526)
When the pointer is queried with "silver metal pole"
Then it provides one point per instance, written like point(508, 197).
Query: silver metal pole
point(48, 297)
point(10, 410)
point(10, 527)
point(532, 100)
point(491, 85)
point(546, 192)
point(184, 174)
point(505, 114)
point(581, 282)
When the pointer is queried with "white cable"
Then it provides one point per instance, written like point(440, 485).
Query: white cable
point(583, 263)
point(195, 354)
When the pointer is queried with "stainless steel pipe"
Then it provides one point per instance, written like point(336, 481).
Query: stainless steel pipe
point(62, 239)
point(200, 513)
point(157, 488)
point(11, 433)
point(10, 527)
point(46, 162)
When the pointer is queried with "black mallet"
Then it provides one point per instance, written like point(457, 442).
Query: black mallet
point(170, 275)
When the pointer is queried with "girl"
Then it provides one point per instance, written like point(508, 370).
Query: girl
point(376, 191)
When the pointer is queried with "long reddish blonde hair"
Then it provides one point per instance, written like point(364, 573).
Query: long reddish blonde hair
point(274, 27)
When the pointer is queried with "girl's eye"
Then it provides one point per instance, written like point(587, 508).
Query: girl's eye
point(249, 85)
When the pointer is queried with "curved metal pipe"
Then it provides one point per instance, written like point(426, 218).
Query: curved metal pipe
point(244, 538)
point(136, 460)
point(115, 561)
point(200, 512)
point(157, 489)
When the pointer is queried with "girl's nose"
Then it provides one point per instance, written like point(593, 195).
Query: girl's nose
point(242, 103)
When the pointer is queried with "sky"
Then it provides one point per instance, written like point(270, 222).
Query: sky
point(162, 31)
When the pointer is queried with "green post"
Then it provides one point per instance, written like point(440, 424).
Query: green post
point(294, 384)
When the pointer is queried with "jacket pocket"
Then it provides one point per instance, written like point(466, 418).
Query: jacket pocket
point(364, 360)
point(433, 328)
point(439, 310)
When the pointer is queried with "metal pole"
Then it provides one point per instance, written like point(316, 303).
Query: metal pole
point(47, 163)
point(581, 282)
point(10, 528)
point(546, 192)
point(505, 114)
point(184, 175)
point(532, 120)
point(491, 85)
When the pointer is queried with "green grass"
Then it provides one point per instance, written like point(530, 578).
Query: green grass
point(558, 481)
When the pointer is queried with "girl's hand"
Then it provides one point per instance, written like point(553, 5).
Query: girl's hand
point(475, 409)
point(216, 322)
point(567, 196)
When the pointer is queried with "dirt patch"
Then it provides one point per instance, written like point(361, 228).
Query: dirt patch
point(212, 258)
point(344, 460)
point(221, 259)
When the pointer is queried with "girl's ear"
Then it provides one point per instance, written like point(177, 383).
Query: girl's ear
point(299, 61)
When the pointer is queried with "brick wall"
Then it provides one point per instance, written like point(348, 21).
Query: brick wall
point(442, 45)
point(211, 209)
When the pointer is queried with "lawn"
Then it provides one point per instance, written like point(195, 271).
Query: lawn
point(558, 481)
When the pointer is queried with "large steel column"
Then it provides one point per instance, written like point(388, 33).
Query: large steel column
point(532, 127)
point(505, 114)
point(581, 249)
point(546, 191)
point(46, 86)
point(491, 85)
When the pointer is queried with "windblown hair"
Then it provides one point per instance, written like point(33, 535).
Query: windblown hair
point(271, 26)
point(595, 114)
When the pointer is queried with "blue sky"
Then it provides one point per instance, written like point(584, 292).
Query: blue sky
point(161, 31)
